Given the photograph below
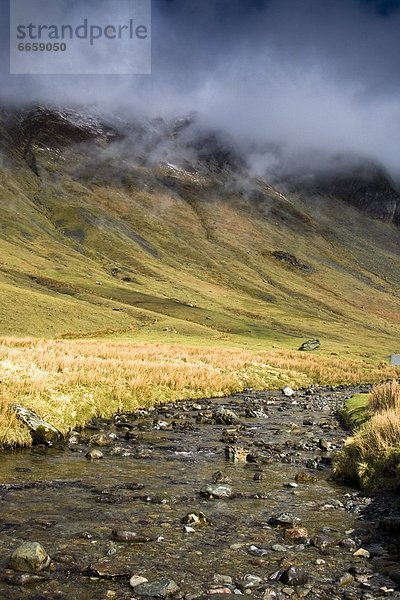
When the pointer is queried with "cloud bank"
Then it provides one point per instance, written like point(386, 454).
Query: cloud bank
point(314, 78)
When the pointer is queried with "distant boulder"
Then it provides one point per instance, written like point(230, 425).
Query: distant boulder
point(310, 345)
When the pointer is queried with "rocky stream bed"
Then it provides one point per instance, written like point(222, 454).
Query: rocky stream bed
point(194, 500)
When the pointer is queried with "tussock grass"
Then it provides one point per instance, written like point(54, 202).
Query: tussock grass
point(384, 396)
point(68, 382)
point(372, 456)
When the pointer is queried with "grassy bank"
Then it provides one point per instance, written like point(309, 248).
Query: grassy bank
point(371, 457)
point(67, 382)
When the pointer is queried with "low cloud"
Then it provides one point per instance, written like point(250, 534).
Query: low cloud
point(314, 79)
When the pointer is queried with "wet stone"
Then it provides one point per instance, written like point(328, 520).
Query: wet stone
point(162, 588)
point(100, 440)
point(345, 580)
point(136, 580)
point(214, 490)
point(130, 537)
point(30, 557)
point(94, 454)
point(297, 535)
point(284, 520)
point(196, 519)
point(224, 416)
point(293, 576)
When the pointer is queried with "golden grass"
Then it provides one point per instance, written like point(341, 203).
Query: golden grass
point(68, 382)
point(372, 456)
point(384, 396)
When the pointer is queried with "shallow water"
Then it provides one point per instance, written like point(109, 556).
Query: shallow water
point(71, 505)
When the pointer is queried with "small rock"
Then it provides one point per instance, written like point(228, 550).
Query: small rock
point(109, 567)
point(94, 454)
point(294, 576)
point(224, 416)
point(101, 440)
point(324, 445)
point(213, 490)
point(296, 535)
point(362, 553)
point(136, 580)
point(287, 391)
point(30, 557)
point(345, 580)
point(131, 537)
point(188, 529)
point(196, 519)
point(284, 520)
point(257, 550)
point(221, 590)
point(348, 543)
point(270, 594)
point(279, 548)
point(162, 588)
point(258, 476)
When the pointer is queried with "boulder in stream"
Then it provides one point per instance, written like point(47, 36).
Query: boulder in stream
point(41, 431)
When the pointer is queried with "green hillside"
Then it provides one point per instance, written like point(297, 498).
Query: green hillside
point(94, 244)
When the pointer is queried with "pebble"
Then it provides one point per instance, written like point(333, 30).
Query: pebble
point(119, 535)
point(284, 520)
point(346, 580)
point(294, 576)
point(257, 551)
point(101, 440)
point(94, 454)
point(215, 490)
point(288, 392)
point(362, 553)
point(196, 519)
point(136, 580)
point(296, 535)
point(279, 548)
point(162, 588)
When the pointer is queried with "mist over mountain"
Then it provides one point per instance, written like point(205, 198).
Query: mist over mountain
point(294, 85)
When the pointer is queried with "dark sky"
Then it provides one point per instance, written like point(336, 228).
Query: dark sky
point(319, 76)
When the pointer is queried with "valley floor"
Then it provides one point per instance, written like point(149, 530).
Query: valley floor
point(68, 382)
